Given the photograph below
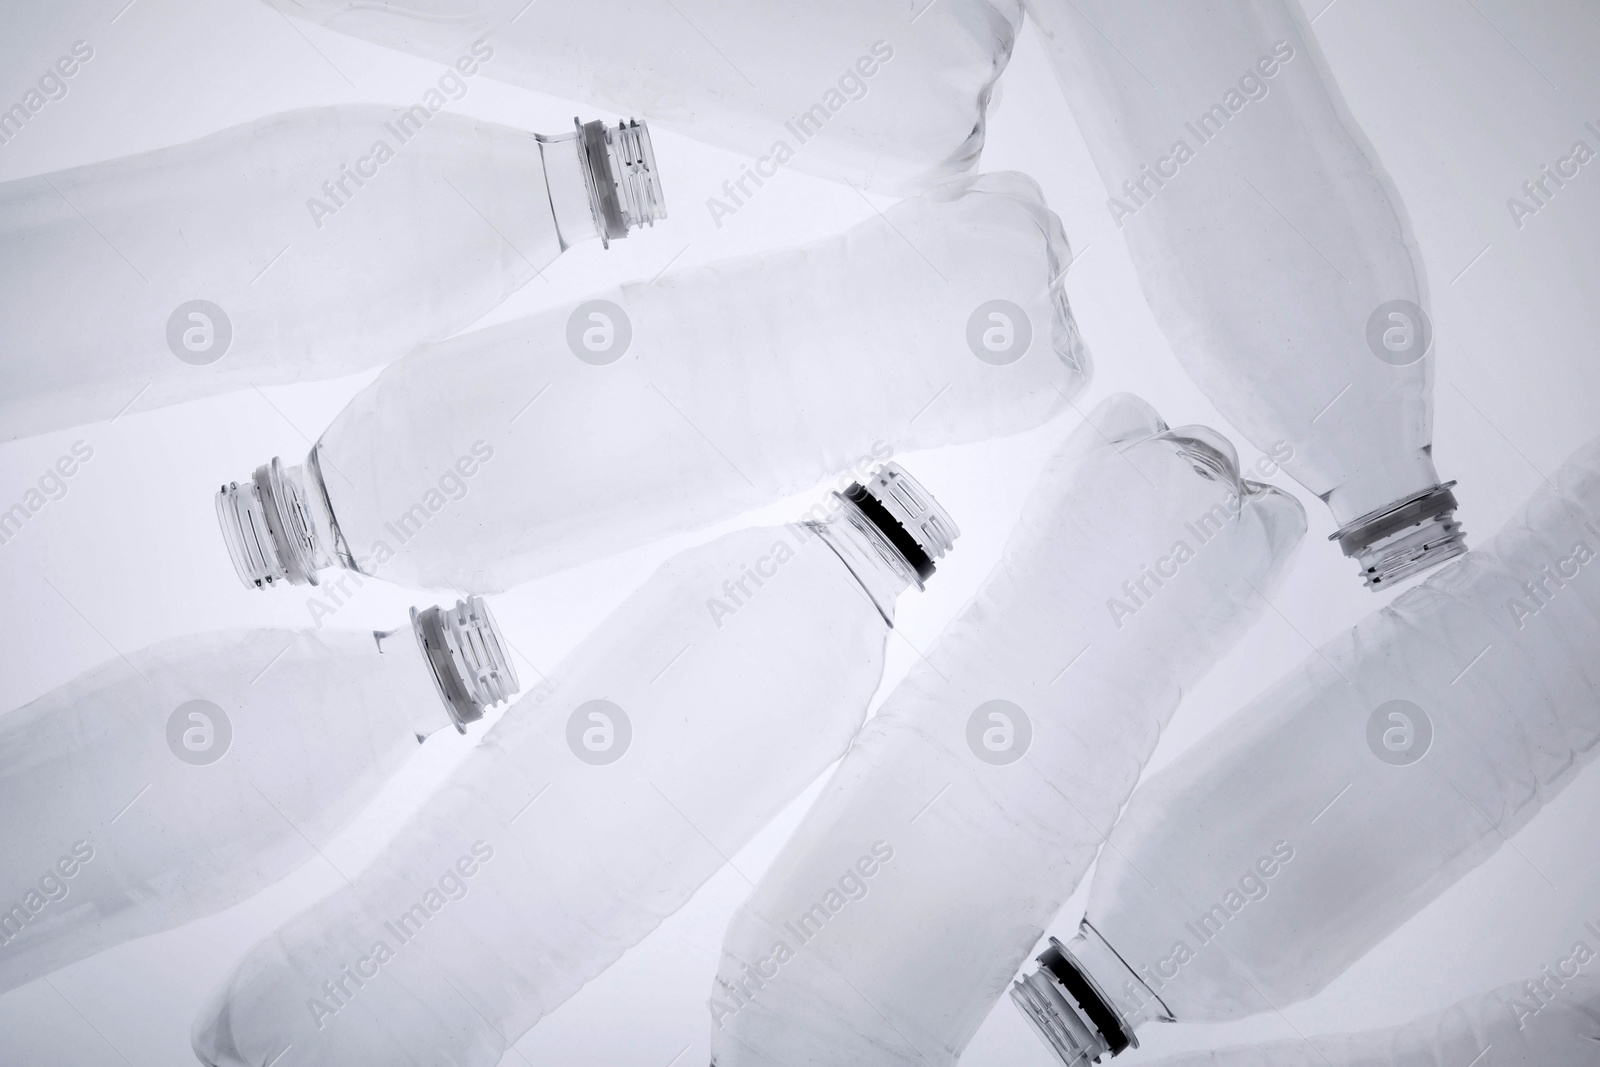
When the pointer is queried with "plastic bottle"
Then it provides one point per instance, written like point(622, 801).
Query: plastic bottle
point(303, 245)
point(177, 782)
point(1555, 1027)
point(974, 800)
point(598, 804)
point(1260, 865)
point(1273, 249)
point(873, 92)
point(517, 450)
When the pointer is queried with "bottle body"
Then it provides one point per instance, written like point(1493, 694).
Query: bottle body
point(303, 245)
point(1272, 248)
point(1256, 869)
point(870, 92)
point(1557, 1029)
point(954, 833)
point(591, 811)
point(501, 455)
point(139, 803)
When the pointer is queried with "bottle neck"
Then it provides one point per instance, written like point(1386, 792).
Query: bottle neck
point(882, 572)
point(464, 655)
point(602, 181)
point(1084, 1001)
point(888, 533)
point(279, 525)
point(1406, 536)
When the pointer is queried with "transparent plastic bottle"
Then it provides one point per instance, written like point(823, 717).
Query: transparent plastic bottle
point(175, 783)
point(1273, 249)
point(1556, 1027)
point(598, 804)
point(515, 451)
point(303, 245)
point(1259, 866)
point(974, 800)
point(878, 93)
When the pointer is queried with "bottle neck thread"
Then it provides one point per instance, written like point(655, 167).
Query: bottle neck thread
point(279, 526)
point(1407, 537)
point(1068, 1000)
point(889, 532)
point(466, 657)
point(619, 173)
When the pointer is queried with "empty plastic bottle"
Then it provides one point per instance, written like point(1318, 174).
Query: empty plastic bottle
point(875, 92)
point(514, 451)
point(1260, 865)
point(300, 246)
point(1507, 1027)
point(974, 800)
point(598, 804)
point(178, 781)
point(1272, 248)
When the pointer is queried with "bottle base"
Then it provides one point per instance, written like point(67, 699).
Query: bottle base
point(1404, 538)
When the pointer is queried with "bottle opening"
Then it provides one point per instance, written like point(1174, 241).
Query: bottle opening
point(906, 516)
point(467, 658)
point(1404, 538)
point(620, 173)
point(267, 529)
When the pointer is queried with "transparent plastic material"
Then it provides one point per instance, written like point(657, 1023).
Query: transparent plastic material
point(1508, 1027)
point(300, 246)
point(177, 782)
point(940, 850)
point(1272, 248)
point(598, 804)
point(875, 92)
point(1258, 867)
point(515, 451)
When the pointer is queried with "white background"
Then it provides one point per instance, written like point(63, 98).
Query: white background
point(1464, 99)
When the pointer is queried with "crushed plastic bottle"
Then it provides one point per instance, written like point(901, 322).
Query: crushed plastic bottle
point(170, 785)
point(1515, 1025)
point(515, 451)
point(1273, 249)
point(881, 94)
point(599, 803)
point(300, 246)
point(975, 799)
point(1260, 865)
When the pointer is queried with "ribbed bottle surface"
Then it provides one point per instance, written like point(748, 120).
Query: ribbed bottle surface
point(502, 455)
point(285, 249)
point(589, 813)
point(1396, 758)
point(196, 773)
point(975, 799)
